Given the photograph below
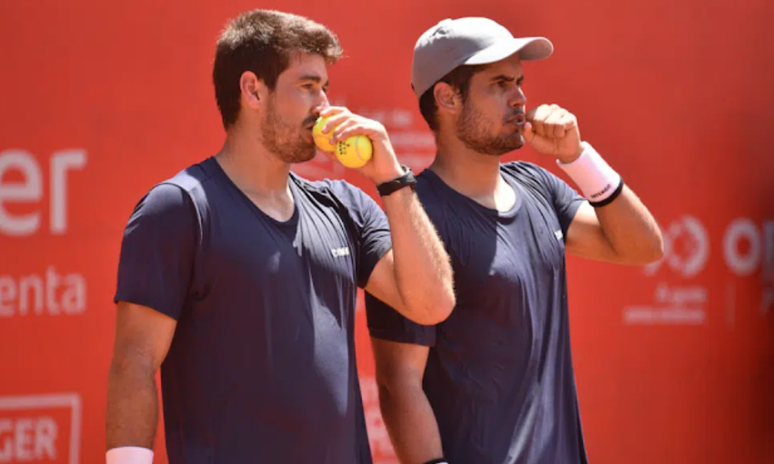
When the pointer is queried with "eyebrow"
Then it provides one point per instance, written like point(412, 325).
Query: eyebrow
point(506, 78)
point(312, 77)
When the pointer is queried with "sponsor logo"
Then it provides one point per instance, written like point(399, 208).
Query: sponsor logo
point(686, 251)
point(40, 428)
point(339, 252)
point(747, 248)
point(27, 186)
point(672, 305)
point(23, 184)
point(604, 191)
point(748, 251)
point(48, 293)
point(686, 248)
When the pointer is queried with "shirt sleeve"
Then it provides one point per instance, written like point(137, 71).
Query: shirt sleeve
point(385, 323)
point(566, 200)
point(372, 227)
point(157, 251)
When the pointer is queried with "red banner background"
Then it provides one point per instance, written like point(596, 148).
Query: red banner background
point(674, 362)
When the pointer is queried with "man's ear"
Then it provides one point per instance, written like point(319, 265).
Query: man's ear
point(254, 90)
point(447, 98)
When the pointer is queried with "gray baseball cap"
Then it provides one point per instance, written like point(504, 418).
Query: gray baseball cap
point(468, 41)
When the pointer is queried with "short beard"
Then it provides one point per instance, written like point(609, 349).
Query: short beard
point(285, 141)
point(474, 130)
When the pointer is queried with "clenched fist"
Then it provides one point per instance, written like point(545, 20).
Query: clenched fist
point(552, 130)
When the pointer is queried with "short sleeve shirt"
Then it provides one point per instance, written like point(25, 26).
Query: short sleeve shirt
point(262, 364)
point(499, 374)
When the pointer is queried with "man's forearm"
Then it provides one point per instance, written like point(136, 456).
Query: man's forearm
point(630, 228)
point(132, 408)
point(411, 424)
point(422, 269)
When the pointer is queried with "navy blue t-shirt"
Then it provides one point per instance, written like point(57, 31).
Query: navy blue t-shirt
point(499, 373)
point(262, 364)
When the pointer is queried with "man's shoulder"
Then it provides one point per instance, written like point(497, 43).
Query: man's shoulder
point(531, 176)
point(430, 188)
point(192, 177)
point(331, 188)
point(322, 185)
point(344, 198)
point(440, 202)
point(178, 196)
point(524, 170)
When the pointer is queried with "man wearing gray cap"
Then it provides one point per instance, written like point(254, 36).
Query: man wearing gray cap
point(494, 383)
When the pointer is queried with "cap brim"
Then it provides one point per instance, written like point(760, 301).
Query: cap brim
point(528, 48)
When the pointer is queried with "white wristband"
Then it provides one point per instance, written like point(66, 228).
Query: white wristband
point(129, 455)
point(595, 178)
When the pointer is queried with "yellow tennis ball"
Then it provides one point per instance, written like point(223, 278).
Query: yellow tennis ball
point(323, 141)
point(354, 152)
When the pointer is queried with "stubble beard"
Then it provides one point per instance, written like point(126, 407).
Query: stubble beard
point(288, 142)
point(474, 130)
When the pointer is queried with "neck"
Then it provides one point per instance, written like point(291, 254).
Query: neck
point(252, 167)
point(473, 174)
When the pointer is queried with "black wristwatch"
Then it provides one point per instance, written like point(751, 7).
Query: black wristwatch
point(406, 180)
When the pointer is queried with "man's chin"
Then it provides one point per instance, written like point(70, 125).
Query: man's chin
point(511, 147)
point(517, 144)
point(306, 155)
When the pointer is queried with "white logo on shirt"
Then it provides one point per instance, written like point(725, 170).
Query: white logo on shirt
point(339, 252)
point(558, 234)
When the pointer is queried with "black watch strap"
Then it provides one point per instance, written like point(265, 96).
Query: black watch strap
point(406, 180)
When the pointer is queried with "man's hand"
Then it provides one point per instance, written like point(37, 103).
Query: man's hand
point(415, 277)
point(552, 130)
point(384, 165)
point(623, 231)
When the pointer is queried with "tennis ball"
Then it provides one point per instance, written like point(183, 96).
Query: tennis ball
point(354, 152)
point(323, 141)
